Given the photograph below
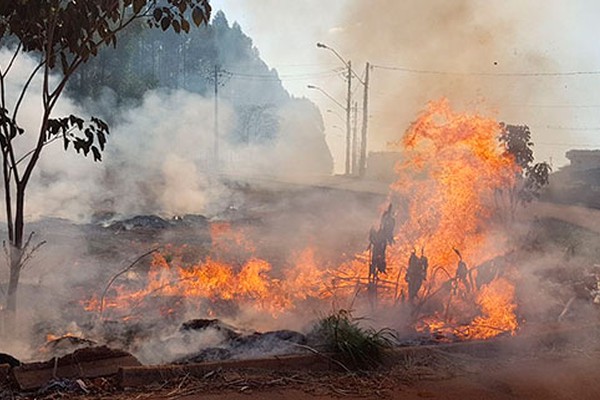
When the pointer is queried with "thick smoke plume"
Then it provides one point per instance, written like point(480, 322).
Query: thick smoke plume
point(159, 157)
point(445, 45)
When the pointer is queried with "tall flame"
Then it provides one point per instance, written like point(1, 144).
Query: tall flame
point(451, 170)
point(452, 166)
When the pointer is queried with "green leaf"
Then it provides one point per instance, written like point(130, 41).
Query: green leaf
point(197, 16)
point(74, 120)
point(96, 153)
point(157, 14)
point(185, 25)
point(165, 23)
point(176, 26)
point(101, 139)
point(138, 5)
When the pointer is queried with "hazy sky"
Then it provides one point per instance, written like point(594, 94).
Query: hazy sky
point(474, 44)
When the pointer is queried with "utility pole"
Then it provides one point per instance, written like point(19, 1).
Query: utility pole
point(355, 140)
point(363, 140)
point(216, 127)
point(348, 111)
point(218, 77)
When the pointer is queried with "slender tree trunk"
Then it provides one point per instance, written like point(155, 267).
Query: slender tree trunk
point(13, 283)
point(16, 256)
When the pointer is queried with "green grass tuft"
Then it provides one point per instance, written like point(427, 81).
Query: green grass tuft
point(358, 348)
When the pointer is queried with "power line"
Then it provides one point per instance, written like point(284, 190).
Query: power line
point(329, 71)
point(567, 128)
point(571, 106)
point(284, 77)
point(507, 74)
point(305, 65)
point(566, 144)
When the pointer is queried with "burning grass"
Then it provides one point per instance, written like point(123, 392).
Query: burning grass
point(446, 208)
point(448, 181)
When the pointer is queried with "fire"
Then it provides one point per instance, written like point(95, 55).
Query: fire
point(452, 166)
point(253, 283)
point(498, 309)
point(451, 169)
point(51, 337)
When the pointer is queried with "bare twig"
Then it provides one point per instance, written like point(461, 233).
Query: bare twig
point(137, 304)
point(118, 274)
point(29, 255)
point(566, 309)
point(315, 351)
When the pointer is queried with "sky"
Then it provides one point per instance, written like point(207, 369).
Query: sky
point(522, 62)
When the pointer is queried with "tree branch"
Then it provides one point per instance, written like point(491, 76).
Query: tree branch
point(12, 60)
point(24, 156)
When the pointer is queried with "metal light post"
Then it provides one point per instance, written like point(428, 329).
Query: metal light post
point(348, 64)
point(336, 114)
point(363, 145)
point(328, 95)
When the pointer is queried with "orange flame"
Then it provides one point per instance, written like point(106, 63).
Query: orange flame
point(452, 166)
point(252, 283)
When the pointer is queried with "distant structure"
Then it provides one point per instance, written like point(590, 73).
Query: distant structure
point(584, 160)
point(578, 182)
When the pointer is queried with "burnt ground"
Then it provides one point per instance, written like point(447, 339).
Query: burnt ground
point(551, 377)
point(563, 240)
point(79, 259)
point(553, 367)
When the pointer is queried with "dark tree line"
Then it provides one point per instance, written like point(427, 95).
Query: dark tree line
point(148, 59)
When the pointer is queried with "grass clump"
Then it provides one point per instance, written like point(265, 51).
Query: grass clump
point(358, 348)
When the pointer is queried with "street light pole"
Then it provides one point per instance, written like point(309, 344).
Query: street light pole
point(348, 107)
point(363, 149)
point(355, 139)
point(328, 95)
point(348, 112)
point(362, 165)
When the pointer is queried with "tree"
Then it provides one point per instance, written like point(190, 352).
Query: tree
point(257, 123)
point(62, 35)
point(530, 178)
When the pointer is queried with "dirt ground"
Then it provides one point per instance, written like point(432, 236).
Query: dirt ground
point(552, 377)
point(588, 218)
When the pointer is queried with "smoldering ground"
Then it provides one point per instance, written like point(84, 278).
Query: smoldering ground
point(157, 162)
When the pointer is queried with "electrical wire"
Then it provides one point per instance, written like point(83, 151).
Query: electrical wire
point(569, 106)
point(283, 77)
point(566, 144)
point(491, 74)
point(566, 128)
